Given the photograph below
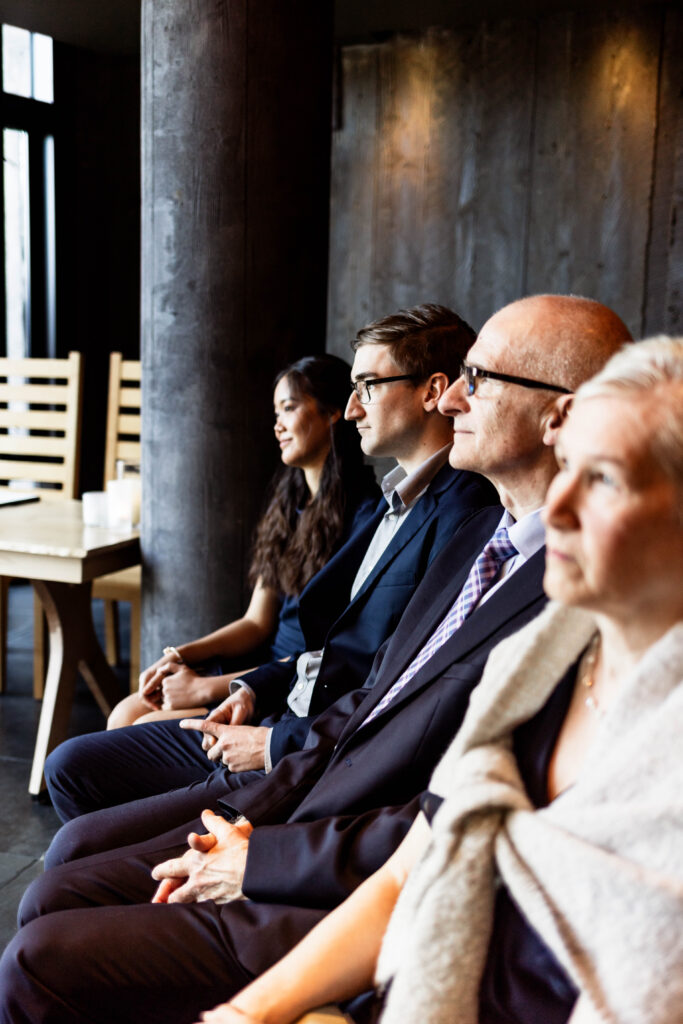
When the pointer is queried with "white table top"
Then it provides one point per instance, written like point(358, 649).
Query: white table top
point(47, 540)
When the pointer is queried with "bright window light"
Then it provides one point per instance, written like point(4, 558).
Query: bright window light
point(16, 61)
point(27, 64)
point(42, 68)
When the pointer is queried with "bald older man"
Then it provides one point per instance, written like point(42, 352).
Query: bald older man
point(94, 948)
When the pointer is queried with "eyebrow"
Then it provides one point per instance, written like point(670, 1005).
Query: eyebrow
point(595, 457)
point(365, 375)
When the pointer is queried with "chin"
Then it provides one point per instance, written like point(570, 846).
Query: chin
point(367, 447)
point(457, 460)
point(559, 588)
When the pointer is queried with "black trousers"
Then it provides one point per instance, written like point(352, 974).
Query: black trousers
point(92, 948)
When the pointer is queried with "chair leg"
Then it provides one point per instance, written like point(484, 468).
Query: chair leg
point(111, 631)
point(41, 645)
point(135, 643)
point(4, 598)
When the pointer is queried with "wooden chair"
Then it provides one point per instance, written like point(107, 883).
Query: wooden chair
point(122, 442)
point(40, 438)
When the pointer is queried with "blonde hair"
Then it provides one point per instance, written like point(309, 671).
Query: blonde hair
point(649, 369)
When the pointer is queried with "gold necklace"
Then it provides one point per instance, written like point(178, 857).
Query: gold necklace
point(587, 674)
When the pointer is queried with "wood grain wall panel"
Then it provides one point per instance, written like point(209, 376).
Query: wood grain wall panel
point(539, 154)
point(354, 145)
point(593, 157)
point(489, 261)
point(448, 207)
point(664, 282)
point(403, 166)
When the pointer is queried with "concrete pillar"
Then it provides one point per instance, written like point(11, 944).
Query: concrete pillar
point(235, 196)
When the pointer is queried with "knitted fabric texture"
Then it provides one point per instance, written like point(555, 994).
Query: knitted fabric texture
point(598, 873)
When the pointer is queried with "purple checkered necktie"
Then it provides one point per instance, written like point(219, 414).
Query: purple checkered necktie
point(481, 576)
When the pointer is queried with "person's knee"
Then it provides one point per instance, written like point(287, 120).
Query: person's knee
point(61, 774)
point(70, 842)
point(37, 900)
point(126, 712)
point(58, 761)
point(13, 977)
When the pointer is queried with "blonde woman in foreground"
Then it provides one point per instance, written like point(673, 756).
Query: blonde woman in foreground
point(550, 882)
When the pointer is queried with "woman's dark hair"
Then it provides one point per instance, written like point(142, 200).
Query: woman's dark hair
point(295, 537)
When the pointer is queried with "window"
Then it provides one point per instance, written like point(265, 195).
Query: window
point(27, 64)
point(27, 278)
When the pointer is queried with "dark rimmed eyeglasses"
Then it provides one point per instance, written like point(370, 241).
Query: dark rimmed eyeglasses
point(362, 387)
point(473, 374)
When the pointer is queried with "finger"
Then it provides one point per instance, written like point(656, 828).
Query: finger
point(239, 715)
point(164, 890)
point(154, 682)
point(216, 825)
point(152, 700)
point(199, 725)
point(175, 868)
point(216, 752)
point(208, 741)
point(150, 686)
point(183, 894)
point(201, 843)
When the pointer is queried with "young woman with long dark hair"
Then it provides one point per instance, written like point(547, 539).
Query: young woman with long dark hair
point(321, 493)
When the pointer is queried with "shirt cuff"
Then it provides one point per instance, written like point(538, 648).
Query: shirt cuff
point(237, 683)
point(267, 759)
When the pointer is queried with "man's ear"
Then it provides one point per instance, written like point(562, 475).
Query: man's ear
point(334, 416)
point(556, 418)
point(434, 388)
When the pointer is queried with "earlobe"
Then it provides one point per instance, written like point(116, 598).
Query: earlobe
point(557, 418)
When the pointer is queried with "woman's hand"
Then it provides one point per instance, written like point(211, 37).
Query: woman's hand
point(185, 688)
point(150, 680)
point(170, 684)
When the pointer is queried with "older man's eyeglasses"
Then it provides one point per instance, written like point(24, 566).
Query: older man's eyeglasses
point(473, 374)
point(362, 387)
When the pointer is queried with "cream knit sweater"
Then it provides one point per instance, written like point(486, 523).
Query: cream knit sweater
point(598, 873)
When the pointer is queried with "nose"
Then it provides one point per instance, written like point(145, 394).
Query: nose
point(354, 409)
point(560, 509)
point(454, 398)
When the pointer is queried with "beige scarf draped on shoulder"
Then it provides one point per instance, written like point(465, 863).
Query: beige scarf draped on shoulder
point(598, 873)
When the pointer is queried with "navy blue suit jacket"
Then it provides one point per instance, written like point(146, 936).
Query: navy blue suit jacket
point(330, 815)
point(361, 625)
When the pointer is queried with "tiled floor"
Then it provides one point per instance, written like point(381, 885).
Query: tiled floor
point(27, 825)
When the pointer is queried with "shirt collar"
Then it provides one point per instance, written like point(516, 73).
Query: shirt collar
point(402, 489)
point(527, 533)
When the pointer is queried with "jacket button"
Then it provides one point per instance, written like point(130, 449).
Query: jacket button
point(347, 762)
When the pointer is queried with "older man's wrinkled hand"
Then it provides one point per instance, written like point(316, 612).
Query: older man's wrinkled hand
point(211, 869)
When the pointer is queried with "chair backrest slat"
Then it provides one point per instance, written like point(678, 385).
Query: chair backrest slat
point(123, 414)
point(40, 424)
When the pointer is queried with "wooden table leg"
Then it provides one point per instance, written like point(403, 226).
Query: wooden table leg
point(73, 647)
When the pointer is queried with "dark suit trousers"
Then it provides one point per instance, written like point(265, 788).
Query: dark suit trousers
point(176, 786)
point(94, 949)
point(104, 769)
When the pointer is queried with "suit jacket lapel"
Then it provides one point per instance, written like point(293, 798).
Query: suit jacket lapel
point(422, 511)
point(502, 606)
point(444, 480)
point(331, 586)
point(437, 592)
